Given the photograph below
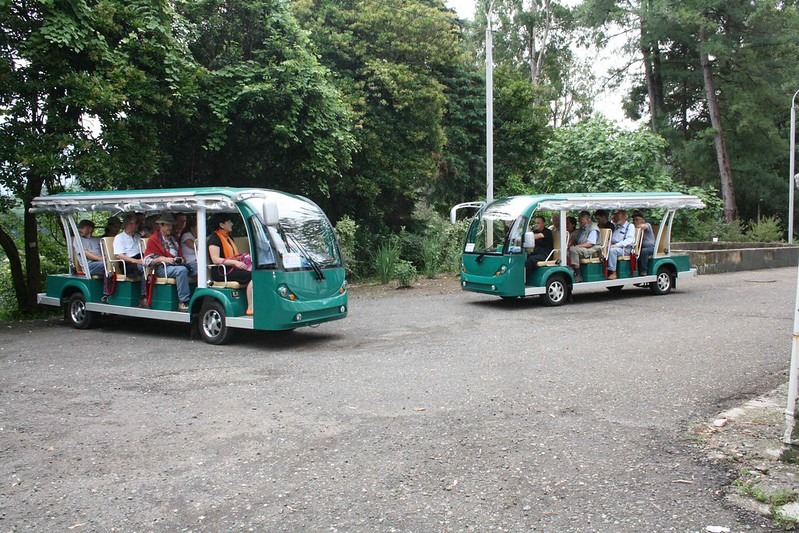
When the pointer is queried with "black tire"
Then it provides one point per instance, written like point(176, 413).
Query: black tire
point(212, 326)
point(557, 291)
point(76, 313)
point(664, 282)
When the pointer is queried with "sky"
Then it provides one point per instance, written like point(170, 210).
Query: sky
point(607, 103)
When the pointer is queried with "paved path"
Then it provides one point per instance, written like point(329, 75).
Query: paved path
point(423, 411)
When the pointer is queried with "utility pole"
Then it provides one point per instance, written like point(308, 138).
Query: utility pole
point(489, 108)
point(791, 173)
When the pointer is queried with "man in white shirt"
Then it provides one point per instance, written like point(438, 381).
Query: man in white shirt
point(127, 247)
point(621, 243)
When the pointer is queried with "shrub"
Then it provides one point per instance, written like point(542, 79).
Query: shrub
point(386, 259)
point(347, 229)
point(431, 254)
point(767, 229)
point(405, 273)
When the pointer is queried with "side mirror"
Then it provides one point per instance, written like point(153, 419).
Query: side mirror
point(271, 217)
point(529, 240)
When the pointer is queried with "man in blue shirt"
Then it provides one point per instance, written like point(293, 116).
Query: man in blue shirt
point(621, 243)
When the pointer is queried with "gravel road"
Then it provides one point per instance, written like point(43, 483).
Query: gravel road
point(427, 409)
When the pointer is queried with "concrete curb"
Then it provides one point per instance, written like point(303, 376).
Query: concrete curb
point(749, 438)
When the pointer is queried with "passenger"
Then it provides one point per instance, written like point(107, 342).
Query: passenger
point(614, 219)
point(141, 227)
point(127, 247)
point(602, 220)
point(222, 251)
point(151, 227)
point(571, 228)
point(163, 253)
point(543, 245)
point(180, 224)
point(648, 244)
point(91, 248)
point(621, 243)
point(555, 226)
point(187, 241)
point(112, 227)
point(587, 245)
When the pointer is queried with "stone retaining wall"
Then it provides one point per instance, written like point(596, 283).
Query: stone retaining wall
point(718, 257)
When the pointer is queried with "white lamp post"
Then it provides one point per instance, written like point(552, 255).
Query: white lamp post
point(489, 109)
point(791, 176)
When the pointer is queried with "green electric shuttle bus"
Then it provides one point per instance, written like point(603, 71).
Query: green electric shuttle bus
point(501, 235)
point(297, 271)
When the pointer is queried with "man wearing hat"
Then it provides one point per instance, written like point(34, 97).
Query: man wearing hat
point(163, 252)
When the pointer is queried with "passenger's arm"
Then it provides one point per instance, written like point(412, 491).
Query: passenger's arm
point(217, 259)
point(129, 259)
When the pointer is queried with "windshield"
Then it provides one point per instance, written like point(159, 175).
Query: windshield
point(305, 239)
point(492, 227)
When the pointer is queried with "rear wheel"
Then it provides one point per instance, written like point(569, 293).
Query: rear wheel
point(213, 328)
point(557, 291)
point(77, 315)
point(663, 283)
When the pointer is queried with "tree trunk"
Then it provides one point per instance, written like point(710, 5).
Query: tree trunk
point(727, 190)
point(654, 82)
point(33, 270)
point(15, 263)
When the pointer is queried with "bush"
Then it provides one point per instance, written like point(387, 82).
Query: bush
point(405, 273)
point(347, 230)
point(725, 231)
point(431, 254)
point(386, 259)
point(767, 229)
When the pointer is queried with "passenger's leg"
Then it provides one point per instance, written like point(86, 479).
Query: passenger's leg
point(249, 298)
point(181, 275)
point(613, 258)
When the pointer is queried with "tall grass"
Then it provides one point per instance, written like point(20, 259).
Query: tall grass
point(386, 258)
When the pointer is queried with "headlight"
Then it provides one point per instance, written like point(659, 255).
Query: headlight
point(284, 291)
point(501, 270)
point(343, 287)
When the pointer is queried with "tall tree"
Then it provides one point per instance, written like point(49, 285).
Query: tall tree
point(82, 86)
point(389, 59)
point(269, 114)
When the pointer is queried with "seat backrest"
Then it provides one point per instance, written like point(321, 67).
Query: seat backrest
point(107, 249)
point(639, 240)
point(605, 234)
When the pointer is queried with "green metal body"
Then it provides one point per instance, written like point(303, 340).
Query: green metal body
point(500, 269)
point(307, 298)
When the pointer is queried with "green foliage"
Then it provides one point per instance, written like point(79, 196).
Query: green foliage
point(386, 258)
point(268, 114)
point(431, 255)
point(347, 230)
point(391, 64)
point(598, 156)
point(405, 273)
point(52, 250)
point(767, 229)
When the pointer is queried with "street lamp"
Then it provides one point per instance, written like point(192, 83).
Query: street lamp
point(489, 108)
point(791, 176)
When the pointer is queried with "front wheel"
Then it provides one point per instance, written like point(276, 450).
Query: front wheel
point(663, 283)
point(213, 328)
point(77, 315)
point(557, 290)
